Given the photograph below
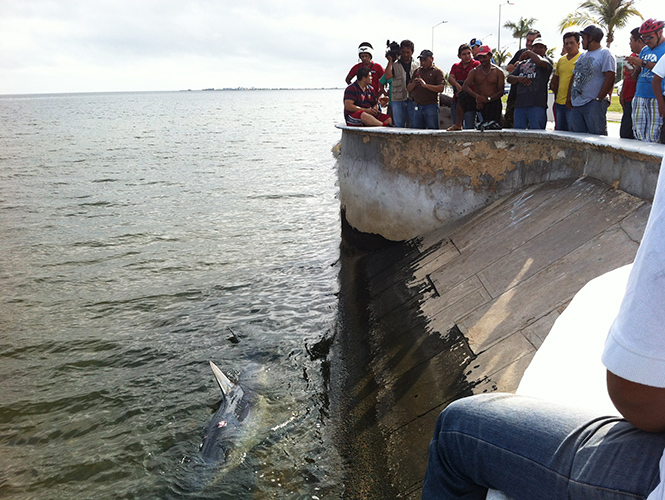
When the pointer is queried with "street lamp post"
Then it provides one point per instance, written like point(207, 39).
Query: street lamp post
point(442, 22)
point(508, 2)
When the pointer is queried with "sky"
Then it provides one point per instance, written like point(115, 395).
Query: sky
point(57, 46)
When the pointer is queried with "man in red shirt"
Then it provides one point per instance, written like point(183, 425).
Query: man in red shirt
point(459, 73)
point(365, 51)
point(629, 86)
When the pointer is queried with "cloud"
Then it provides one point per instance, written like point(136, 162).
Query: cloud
point(78, 45)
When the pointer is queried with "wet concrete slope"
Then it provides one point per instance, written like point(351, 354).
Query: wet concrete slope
point(461, 311)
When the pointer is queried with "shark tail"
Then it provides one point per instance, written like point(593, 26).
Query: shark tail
point(224, 383)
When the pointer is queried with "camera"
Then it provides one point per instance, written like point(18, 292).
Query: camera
point(393, 51)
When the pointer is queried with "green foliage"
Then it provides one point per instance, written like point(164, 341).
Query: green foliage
point(520, 28)
point(501, 56)
point(608, 14)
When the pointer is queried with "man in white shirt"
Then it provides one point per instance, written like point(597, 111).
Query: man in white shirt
point(657, 86)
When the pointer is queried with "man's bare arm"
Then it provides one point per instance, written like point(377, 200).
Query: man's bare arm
point(642, 405)
point(656, 84)
point(538, 61)
point(453, 81)
point(607, 85)
point(389, 68)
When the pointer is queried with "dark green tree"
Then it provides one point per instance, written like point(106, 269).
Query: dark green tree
point(608, 14)
point(520, 28)
point(501, 56)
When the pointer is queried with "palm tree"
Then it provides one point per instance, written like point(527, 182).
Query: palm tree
point(520, 28)
point(608, 14)
point(500, 56)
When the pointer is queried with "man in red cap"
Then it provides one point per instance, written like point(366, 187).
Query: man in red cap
point(483, 88)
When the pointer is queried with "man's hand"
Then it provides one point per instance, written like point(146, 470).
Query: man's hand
point(524, 80)
point(634, 61)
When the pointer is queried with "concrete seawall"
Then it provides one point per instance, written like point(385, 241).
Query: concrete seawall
point(463, 304)
point(401, 183)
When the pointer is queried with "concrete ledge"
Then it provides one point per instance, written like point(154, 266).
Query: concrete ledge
point(400, 183)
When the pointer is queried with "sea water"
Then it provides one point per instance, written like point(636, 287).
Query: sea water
point(141, 235)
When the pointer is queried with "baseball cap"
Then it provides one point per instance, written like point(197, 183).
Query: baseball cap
point(475, 42)
point(484, 49)
point(426, 53)
point(539, 41)
point(593, 31)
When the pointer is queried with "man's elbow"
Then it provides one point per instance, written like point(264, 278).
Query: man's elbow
point(642, 405)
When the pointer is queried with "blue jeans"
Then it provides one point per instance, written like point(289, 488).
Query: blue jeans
point(532, 449)
point(402, 109)
point(562, 116)
point(590, 118)
point(533, 118)
point(426, 116)
point(626, 129)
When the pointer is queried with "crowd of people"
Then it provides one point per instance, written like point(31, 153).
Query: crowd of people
point(582, 81)
point(526, 447)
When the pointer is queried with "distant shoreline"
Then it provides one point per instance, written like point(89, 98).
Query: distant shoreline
point(225, 89)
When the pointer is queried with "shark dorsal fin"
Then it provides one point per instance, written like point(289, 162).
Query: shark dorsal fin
point(224, 383)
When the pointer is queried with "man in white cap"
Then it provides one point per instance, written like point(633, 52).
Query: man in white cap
point(531, 76)
point(365, 53)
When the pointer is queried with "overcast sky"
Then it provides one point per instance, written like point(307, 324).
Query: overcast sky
point(123, 45)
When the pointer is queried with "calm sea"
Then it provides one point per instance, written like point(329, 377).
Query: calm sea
point(138, 232)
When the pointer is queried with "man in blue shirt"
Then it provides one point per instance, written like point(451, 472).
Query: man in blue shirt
point(646, 119)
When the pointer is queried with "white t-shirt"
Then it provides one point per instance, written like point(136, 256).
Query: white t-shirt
point(659, 68)
point(635, 346)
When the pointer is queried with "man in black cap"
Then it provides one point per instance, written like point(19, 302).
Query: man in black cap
point(593, 80)
point(424, 88)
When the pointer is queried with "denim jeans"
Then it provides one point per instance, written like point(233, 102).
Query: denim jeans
point(562, 116)
point(533, 118)
point(590, 118)
point(402, 109)
point(426, 116)
point(532, 449)
point(468, 117)
point(626, 130)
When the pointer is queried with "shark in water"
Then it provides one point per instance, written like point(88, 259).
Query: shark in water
point(229, 425)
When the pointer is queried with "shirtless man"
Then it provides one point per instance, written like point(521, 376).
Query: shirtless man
point(488, 81)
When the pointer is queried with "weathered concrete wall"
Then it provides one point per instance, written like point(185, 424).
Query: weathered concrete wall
point(400, 183)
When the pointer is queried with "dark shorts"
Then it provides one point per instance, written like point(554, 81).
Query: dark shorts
point(354, 120)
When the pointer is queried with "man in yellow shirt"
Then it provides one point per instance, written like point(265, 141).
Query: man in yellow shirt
point(563, 73)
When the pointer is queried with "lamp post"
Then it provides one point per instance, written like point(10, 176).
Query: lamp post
point(508, 2)
point(442, 22)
